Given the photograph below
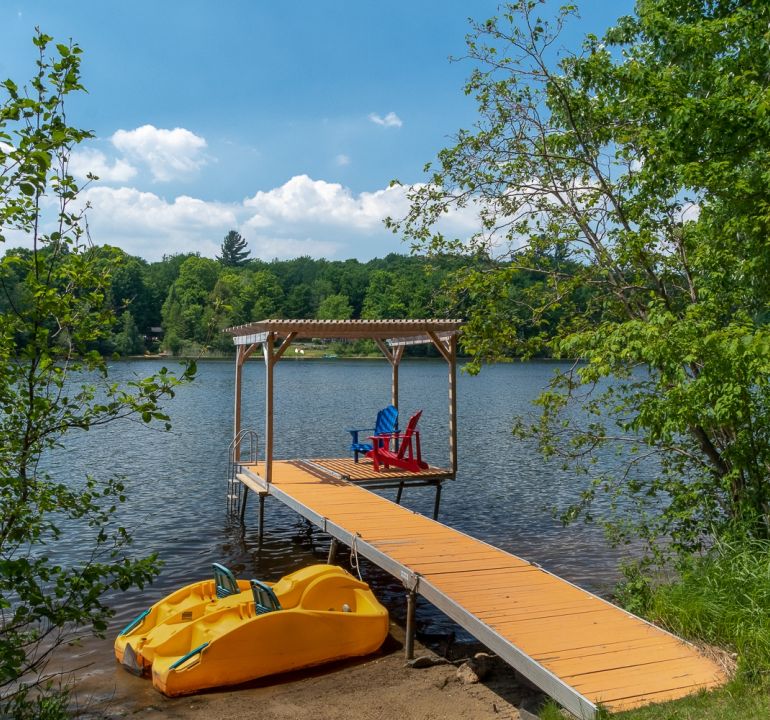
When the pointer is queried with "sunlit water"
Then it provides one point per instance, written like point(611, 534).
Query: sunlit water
point(503, 493)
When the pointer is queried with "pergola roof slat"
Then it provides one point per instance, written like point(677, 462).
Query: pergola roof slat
point(396, 332)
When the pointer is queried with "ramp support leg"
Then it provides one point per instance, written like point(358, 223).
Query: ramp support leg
point(331, 560)
point(398, 494)
point(411, 602)
point(438, 500)
point(243, 505)
point(261, 516)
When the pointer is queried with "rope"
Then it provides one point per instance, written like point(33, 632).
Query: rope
point(354, 556)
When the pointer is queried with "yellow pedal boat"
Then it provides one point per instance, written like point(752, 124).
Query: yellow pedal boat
point(226, 631)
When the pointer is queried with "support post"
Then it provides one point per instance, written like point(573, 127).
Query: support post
point(448, 350)
point(331, 559)
point(267, 348)
point(243, 505)
point(242, 353)
point(452, 408)
point(237, 408)
point(400, 492)
point(438, 500)
point(411, 602)
point(393, 356)
point(261, 517)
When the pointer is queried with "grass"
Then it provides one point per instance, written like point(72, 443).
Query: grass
point(722, 599)
point(739, 700)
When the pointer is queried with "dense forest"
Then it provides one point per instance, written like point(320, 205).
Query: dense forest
point(181, 303)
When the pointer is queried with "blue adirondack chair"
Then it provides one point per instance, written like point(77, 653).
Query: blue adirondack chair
point(387, 422)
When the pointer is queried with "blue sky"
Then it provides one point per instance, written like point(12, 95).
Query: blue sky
point(286, 121)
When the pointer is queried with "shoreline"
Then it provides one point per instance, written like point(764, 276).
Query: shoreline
point(377, 687)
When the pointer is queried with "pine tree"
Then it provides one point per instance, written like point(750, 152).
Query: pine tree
point(233, 250)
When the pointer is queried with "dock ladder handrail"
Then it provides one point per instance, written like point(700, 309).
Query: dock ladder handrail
point(235, 456)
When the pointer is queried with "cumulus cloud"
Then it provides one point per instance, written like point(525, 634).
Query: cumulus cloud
point(301, 217)
point(390, 120)
point(169, 154)
point(83, 162)
point(342, 160)
point(145, 224)
point(304, 200)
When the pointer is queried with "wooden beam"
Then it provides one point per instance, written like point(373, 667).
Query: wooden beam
point(440, 345)
point(398, 353)
point(267, 349)
point(394, 358)
point(452, 405)
point(237, 408)
point(284, 345)
point(406, 329)
point(448, 350)
point(245, 352)
point(385, 349)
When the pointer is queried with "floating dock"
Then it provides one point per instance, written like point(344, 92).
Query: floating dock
point(580, 649)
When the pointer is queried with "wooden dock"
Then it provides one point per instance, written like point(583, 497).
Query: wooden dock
point(581, 650)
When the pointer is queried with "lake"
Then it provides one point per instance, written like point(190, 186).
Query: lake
point(176, 480)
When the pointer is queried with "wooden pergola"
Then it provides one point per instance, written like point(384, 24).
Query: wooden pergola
point(391, 336)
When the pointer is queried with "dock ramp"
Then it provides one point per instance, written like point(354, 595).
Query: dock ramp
point(581, 650)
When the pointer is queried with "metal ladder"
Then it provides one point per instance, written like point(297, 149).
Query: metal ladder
point(235, 458)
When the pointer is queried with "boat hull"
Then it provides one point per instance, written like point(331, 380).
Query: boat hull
point(190, 640)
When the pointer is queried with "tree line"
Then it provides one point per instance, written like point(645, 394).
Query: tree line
point(181, 303)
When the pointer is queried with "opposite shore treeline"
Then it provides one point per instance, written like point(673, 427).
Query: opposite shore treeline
point(181, 303)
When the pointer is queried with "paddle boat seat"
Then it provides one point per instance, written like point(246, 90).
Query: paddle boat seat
point(386, 423)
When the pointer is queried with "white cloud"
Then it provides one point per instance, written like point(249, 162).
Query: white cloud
point(146, 224)
point(169, 154)
point(304, 200)
point(88, 160)
point(342, 160)
point(301, 217)
point(390, 120)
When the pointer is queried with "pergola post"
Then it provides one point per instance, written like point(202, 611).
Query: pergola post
point(267, 349)
point(393, 356)
point(448, 350)
point(453, 402)
point(272, 356)
point(242, 354)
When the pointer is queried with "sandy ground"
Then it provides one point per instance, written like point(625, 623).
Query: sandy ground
point(380, 687)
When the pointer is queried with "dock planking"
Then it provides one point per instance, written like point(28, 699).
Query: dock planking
point(577, 647)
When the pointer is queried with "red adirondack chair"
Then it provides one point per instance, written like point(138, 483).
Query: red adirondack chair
point(407, 455)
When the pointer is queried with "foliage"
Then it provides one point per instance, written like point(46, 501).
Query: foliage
point(128, 341)
point(335, 307)
point(738, 700)
point(234, 250)
point(630, 177)
point(722, 598)
point(57, 310)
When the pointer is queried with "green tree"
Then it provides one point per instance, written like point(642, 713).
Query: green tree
point(185, 316)
point(57, 310)
point(128, 341)
point(262, 296)
point(234, 250)
point(335, 307)
point(636, 169)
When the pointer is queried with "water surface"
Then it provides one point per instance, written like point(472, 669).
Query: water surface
point(503, 493)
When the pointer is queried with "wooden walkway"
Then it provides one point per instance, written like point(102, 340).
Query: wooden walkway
point(576, 647)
